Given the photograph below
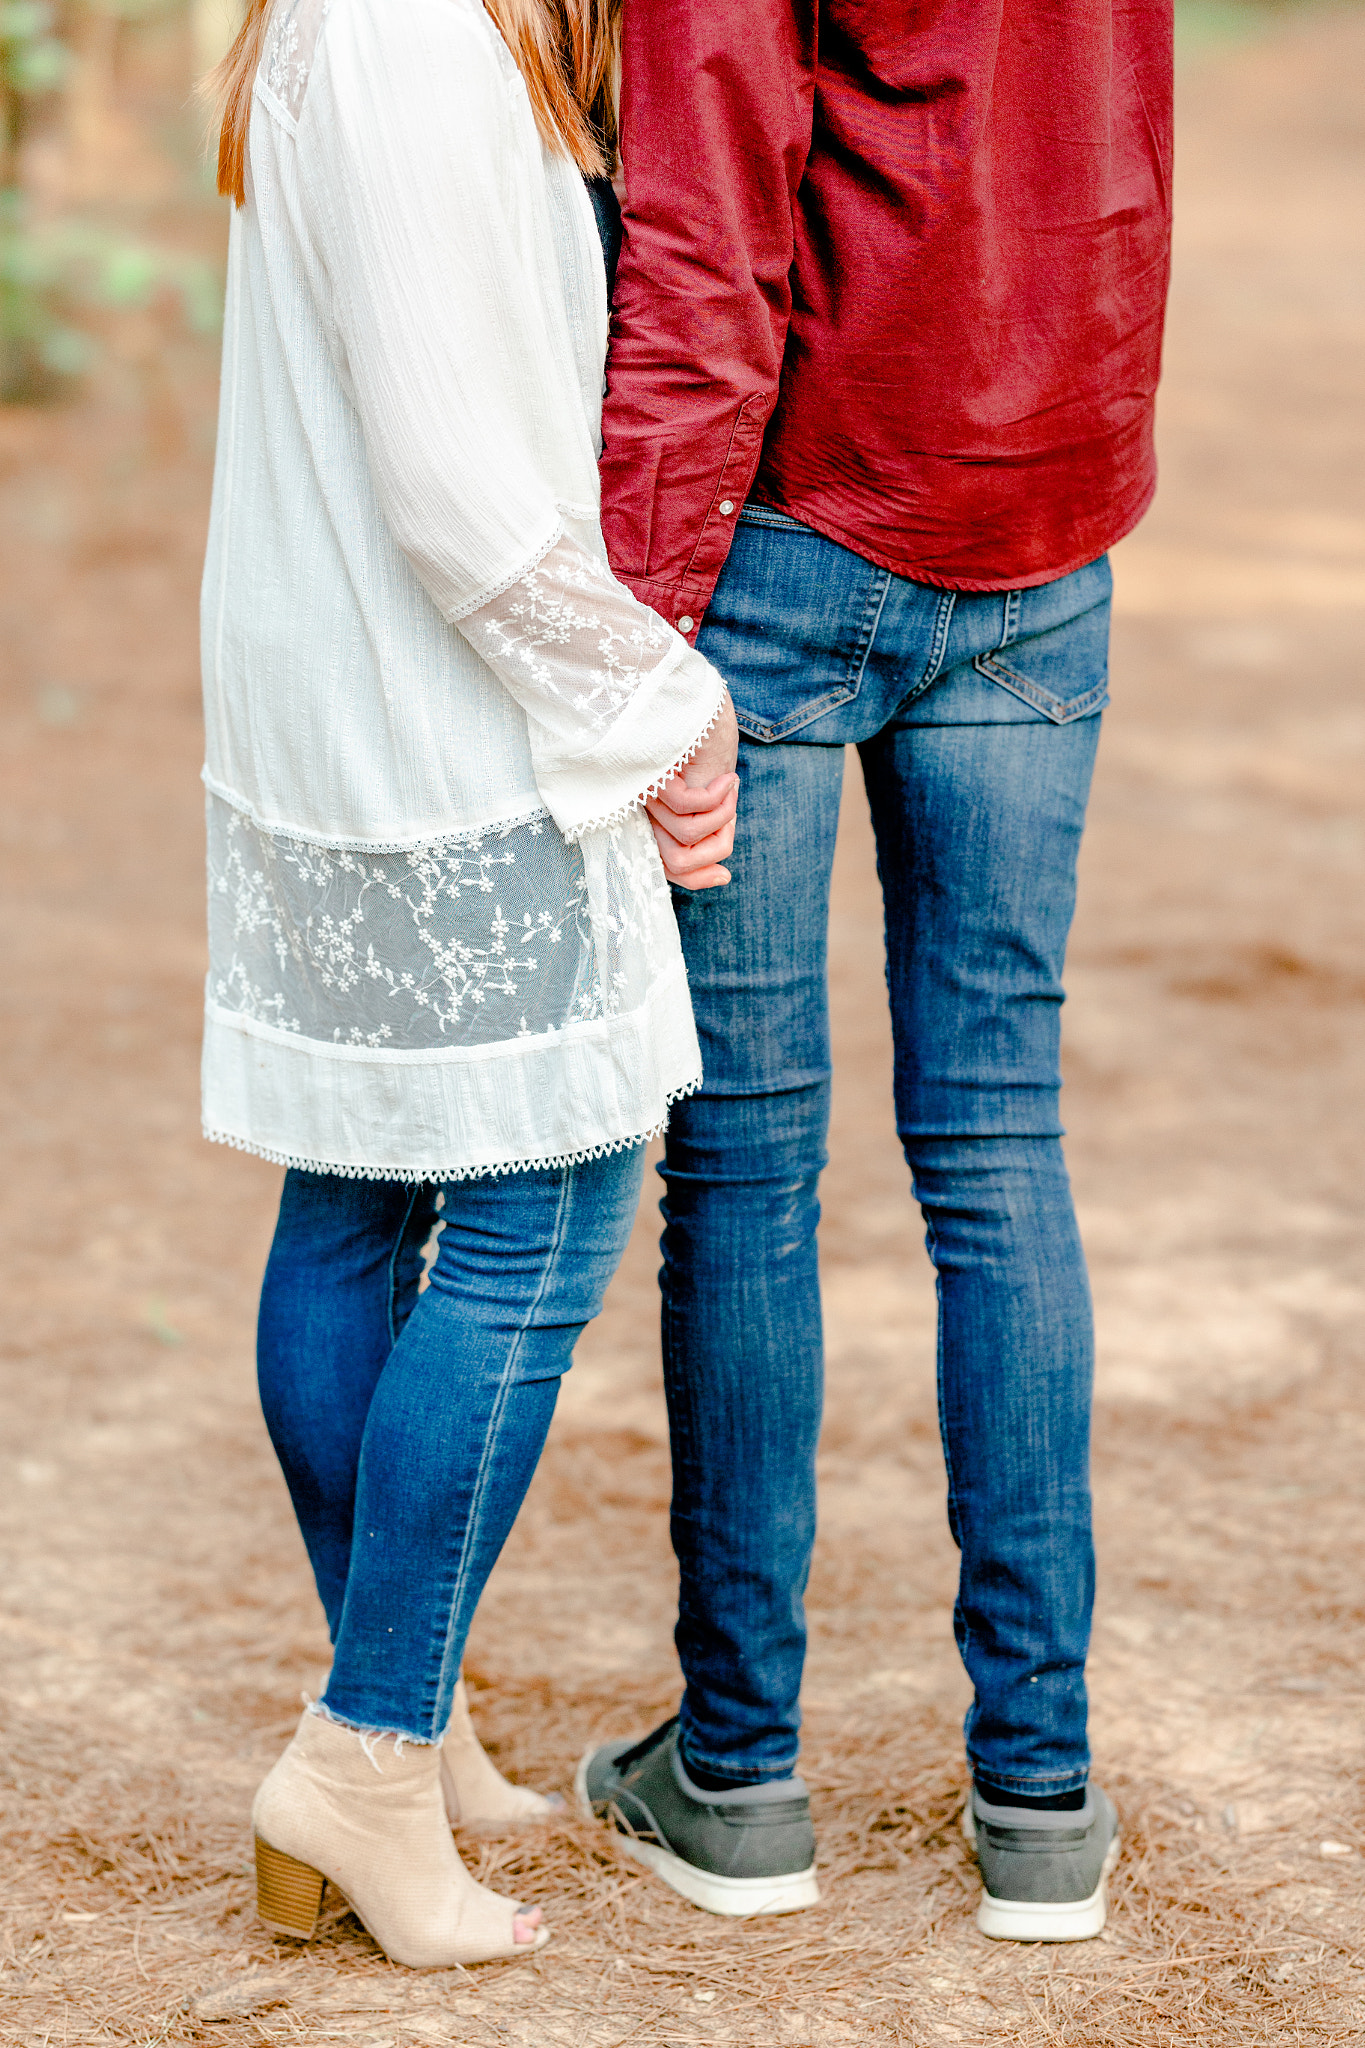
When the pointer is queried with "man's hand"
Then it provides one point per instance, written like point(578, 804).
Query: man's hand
point(693, 815)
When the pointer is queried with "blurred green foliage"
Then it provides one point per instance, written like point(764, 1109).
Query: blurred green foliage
point(58, 278)
point(64, 281)
point(33, 59)
point(1201, 25)
point(33, 63)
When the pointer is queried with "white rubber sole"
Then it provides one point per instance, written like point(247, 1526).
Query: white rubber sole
point(1025, 1920)
point(737, 1898)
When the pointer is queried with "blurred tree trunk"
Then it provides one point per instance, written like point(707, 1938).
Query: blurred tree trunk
point(88, 115)
point(107, 157)
point(11, 137)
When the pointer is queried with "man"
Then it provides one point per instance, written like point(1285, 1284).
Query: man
point(886, 343)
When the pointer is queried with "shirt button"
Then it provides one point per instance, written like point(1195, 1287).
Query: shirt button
point(686, 623)
point(727, 506)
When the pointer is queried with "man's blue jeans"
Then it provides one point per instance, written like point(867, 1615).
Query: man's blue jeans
point(409, 1423)
point(976, 717)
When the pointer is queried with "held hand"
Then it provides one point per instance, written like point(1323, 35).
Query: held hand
point(693, 815)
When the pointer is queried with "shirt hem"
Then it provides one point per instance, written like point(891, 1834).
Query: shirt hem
point(535, 1163)
point(380, 1113)
point(983, 585)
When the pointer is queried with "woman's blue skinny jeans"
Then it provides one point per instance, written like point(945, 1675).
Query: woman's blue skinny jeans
point(409, 1423)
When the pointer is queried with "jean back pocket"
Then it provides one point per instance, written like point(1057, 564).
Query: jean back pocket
point(790, 623)
point(1054, 654)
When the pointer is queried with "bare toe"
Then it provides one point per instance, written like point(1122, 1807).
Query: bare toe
point(525, 1924)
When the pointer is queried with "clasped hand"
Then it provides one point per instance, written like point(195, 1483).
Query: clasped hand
point(693, 815)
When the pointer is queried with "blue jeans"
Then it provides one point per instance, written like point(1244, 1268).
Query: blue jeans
point(976, 717)
point(409, 1424)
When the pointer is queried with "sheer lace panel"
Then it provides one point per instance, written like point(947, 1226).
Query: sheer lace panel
point(289, 46)
point(570, 642)
point(501, 936)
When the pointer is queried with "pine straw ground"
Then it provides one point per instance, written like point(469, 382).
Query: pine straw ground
point(156, 1626)
point(131, 1921)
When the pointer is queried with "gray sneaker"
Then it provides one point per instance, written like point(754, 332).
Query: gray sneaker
point(751, 1850)
point(1042, 1873)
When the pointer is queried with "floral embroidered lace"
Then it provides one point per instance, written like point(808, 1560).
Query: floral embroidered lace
point(290, 43)
point(570, 642)
point(503, 935)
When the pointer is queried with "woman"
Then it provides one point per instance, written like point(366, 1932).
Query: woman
point(445, 987)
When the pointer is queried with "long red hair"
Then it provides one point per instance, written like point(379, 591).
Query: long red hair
point(566, 51)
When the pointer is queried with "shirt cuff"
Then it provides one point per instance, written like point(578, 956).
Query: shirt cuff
point(682, 604)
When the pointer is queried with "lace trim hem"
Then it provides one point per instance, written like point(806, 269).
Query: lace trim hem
point(412, 1174)
point(497, 590)
point(605, 819)
point(338, 842)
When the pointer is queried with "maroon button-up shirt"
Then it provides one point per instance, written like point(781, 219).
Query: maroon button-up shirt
point(897, 267)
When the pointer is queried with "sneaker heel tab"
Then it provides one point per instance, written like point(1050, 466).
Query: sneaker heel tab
point(985, 1813)
point(763, 1792)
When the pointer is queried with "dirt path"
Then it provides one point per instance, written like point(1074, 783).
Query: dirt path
point(156, 1625)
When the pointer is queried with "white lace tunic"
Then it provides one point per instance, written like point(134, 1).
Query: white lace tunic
point(440, 936)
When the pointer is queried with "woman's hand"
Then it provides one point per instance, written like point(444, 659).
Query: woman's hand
point(693, 815)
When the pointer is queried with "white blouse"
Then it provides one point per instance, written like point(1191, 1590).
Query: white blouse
point(441, 940)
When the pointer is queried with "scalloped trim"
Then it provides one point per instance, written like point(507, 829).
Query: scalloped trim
point(574, 833)
point(541, 1162)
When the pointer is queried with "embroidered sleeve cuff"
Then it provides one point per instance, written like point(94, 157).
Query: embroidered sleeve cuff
point(615, 700)
point(657, 734)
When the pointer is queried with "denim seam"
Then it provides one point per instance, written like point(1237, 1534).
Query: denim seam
point(394, 1332)
point(1061, 710)
point(833, 699)
point(873, 607)
point(1013, 606)
point(938, 646)
point(471, 1528)
point(955, 1519)
point(756, 513)
point(720, 1767)
point(840, 693)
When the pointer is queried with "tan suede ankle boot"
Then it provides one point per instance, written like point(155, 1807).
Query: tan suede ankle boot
point(476, 1793)
point(367, 1815)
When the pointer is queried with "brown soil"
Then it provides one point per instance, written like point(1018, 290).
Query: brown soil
point(155, 1614)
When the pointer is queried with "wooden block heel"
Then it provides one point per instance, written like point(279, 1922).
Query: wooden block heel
point(288, 1893)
